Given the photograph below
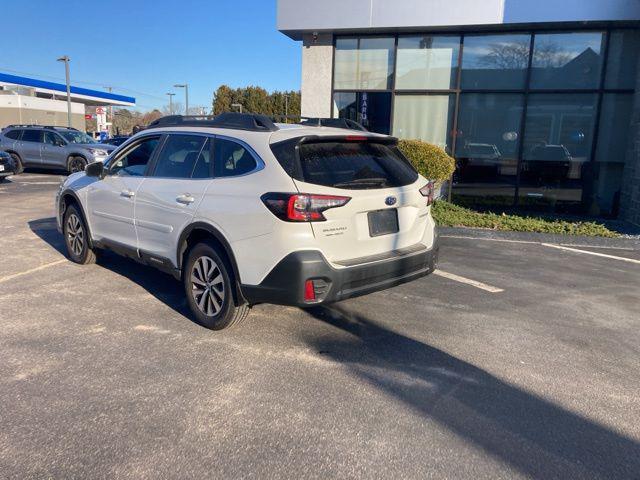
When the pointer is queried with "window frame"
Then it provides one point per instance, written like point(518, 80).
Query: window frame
point(133, 144)
point(153, 163)
point(19, 136)
point(54, 134)
point(601, 89)
point(259, 162)
point(38, 130)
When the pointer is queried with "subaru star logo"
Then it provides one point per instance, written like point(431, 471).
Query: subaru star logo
point(390, 201)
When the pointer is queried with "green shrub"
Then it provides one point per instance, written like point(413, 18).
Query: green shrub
point(432, 162)
point(449, 215)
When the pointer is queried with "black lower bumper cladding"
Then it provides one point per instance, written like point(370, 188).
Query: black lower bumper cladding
point(285, 284)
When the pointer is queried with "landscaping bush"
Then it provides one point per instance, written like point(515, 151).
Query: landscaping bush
point(430, 161)
point(448, 215)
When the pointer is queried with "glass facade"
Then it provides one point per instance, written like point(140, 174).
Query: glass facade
point(537, 120)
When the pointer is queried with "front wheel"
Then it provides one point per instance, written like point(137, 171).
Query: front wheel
point(76, 164)
point(76, 237)
point(208, 285)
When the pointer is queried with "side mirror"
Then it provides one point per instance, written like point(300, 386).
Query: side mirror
point(95, 169)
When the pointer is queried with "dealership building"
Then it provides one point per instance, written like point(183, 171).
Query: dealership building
point(538, 101)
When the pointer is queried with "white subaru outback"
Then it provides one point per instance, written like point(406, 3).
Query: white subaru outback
point(244, 211)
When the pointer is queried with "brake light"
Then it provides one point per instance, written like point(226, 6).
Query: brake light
point(302, 207)
point(428, 191)
point(355, 138)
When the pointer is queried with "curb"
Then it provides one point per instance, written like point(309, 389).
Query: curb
point(575, 240)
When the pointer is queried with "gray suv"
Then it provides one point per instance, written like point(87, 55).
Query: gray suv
point(51, 147)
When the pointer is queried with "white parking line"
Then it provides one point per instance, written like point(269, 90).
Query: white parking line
point(468, 281)
point(31, 270)
point(534, 243)
point(596, 254)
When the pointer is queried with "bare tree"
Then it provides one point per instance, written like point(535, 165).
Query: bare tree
point(515, 55)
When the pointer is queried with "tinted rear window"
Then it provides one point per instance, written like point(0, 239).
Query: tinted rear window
point(349, 165)
point(13, 134)
point(32, 136)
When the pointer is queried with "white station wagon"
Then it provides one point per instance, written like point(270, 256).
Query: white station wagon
point(244, 211)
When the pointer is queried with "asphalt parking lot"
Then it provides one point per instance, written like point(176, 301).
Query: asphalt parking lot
point(518, 360)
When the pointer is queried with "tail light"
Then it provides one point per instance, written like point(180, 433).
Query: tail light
point(302, 207)
point(428, 191)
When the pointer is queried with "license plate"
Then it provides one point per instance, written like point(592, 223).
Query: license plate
point(383, 222)
point(1, 168)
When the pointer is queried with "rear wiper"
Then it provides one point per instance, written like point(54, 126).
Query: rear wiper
point(362, 181)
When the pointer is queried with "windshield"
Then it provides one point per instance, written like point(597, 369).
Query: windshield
point(76, 137)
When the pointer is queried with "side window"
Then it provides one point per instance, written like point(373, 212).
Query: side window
point(231, 158)
point(32, 136)
point(184, 156)
point(13, 134)
point(135, 159)
point(54, 139)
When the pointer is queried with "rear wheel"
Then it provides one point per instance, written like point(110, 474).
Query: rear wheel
point(209, 284)
point(76, 237)
point(18, 163)
point(76, 164)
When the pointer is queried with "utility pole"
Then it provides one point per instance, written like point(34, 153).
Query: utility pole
point(186, 96)
point(110, 89)
point(170, 102)
point(66, 60)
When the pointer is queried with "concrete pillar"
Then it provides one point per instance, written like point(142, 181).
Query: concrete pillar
point(317, 73)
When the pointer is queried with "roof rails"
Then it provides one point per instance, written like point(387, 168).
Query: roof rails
point(238, 121)
point(332, 122)
point(32, 125)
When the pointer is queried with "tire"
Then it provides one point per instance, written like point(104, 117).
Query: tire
point(18, 162)
point(76, 237)
point(76, 164)
point(208, 285)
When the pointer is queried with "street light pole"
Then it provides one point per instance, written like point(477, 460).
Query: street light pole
point(110, 89)
point(171, 103)
point(186, 96)
point(66, 59)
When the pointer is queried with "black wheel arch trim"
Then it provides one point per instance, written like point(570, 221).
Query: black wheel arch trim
point(213, 231)
point(70, 193)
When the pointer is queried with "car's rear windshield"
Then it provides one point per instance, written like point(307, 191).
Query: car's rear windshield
point(344, 164)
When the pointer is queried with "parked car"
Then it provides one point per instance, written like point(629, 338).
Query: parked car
point(115, 141)
point(7, 166)
point(51, 147)
point(244, 211)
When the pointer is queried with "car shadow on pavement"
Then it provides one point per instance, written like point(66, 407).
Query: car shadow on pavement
point(528, 433)
point(162, 286)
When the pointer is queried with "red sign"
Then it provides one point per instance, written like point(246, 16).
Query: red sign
point(88, 117)
point(101, 110)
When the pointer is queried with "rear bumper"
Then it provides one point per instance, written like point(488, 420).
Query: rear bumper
point(285, 284)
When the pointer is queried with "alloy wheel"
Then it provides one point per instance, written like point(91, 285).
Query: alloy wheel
point(76, 165)
point(75, 234)
point(207, 286)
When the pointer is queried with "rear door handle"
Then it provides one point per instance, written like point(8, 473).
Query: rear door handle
point(127, 193)
point(185, 199)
